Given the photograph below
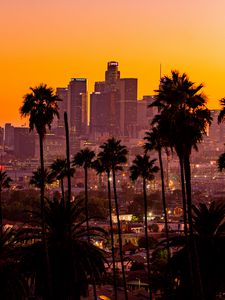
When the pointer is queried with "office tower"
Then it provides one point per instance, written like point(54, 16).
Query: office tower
point(112, 75)
point(99, 113)
point(145, 114)
point(216, 131)
point(100, 86)
point(127, 107)
point(24, 143)
point(62, 93)
point(1, 136)
point(77, 105)
point(9, 135)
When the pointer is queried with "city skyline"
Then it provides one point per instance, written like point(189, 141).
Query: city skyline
point(78, 38)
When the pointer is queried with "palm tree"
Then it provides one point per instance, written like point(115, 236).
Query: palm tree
point(145, 168)
point(185, 106)
point(41, 106)
point(182, 105)
point(84, 158)
point(221, 162)
point(13, 284)
point(37, 178)
point(221, 115)
point(155, 142)
point(209, 233)
point(59, 171)
point(71, 272)
point(115, 154)
point(4, 184)
point(102, 165)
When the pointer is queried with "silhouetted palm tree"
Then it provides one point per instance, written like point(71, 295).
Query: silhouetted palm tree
point(155, 142)
point(84, 158)
point(4, 184)
point(221, 162)
point(221, 115)
point(37, 178)
point(183, 106)
point(71, 272)
point(13, 284)
point(145, 168)
point(41, 106)
point(115, 154)
point(59, 171)
point(102, 165)
point(209, 233)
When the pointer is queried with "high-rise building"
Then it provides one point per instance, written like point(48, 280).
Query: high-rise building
point(77, 105)
point(1, 136)
point(128, 106)
point(99, 113)
point(62, 93)
point(112, 75)
point(24, 143)
point(145, 114)
point(9, 135)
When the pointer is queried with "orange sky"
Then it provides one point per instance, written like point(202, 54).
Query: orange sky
point(51, 41)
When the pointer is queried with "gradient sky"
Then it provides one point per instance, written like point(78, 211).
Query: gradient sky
point(51, 41)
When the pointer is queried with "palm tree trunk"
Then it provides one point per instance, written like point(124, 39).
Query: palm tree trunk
point(68, 161)
point(164, 202)
point(62, 191)
point(146, 238)
point(87, 220)
point(119, 234)
point(112, 237)
point(76, 287)
point(183, 196)
point(194, 250)
point(43, 225)
point(1, 218)
point(86, 200)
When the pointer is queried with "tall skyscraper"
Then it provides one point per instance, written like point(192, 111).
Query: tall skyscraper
point(62, 93)
point(128, 106)
point(24, 143)
point(77, 105)
point(99, 113)
point(112, 75)
point(9, 135)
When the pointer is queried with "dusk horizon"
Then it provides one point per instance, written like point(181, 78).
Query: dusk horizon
point(54, 41)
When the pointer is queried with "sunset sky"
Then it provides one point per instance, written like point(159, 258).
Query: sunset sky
point(51, 41)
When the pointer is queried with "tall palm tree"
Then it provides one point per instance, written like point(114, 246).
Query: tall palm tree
point(84, 158)
point(59, 171)
point(145, 168)
point(41, 106)
point(155, 142)
point(183, 104)
point(102, 165)
point(4, 184)
point(115, 153)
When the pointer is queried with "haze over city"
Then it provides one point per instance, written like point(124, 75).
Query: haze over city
point(53, 41)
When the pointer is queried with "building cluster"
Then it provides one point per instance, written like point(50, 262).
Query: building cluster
point(114, 107)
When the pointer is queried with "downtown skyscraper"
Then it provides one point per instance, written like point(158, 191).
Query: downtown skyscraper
point(113, 105)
